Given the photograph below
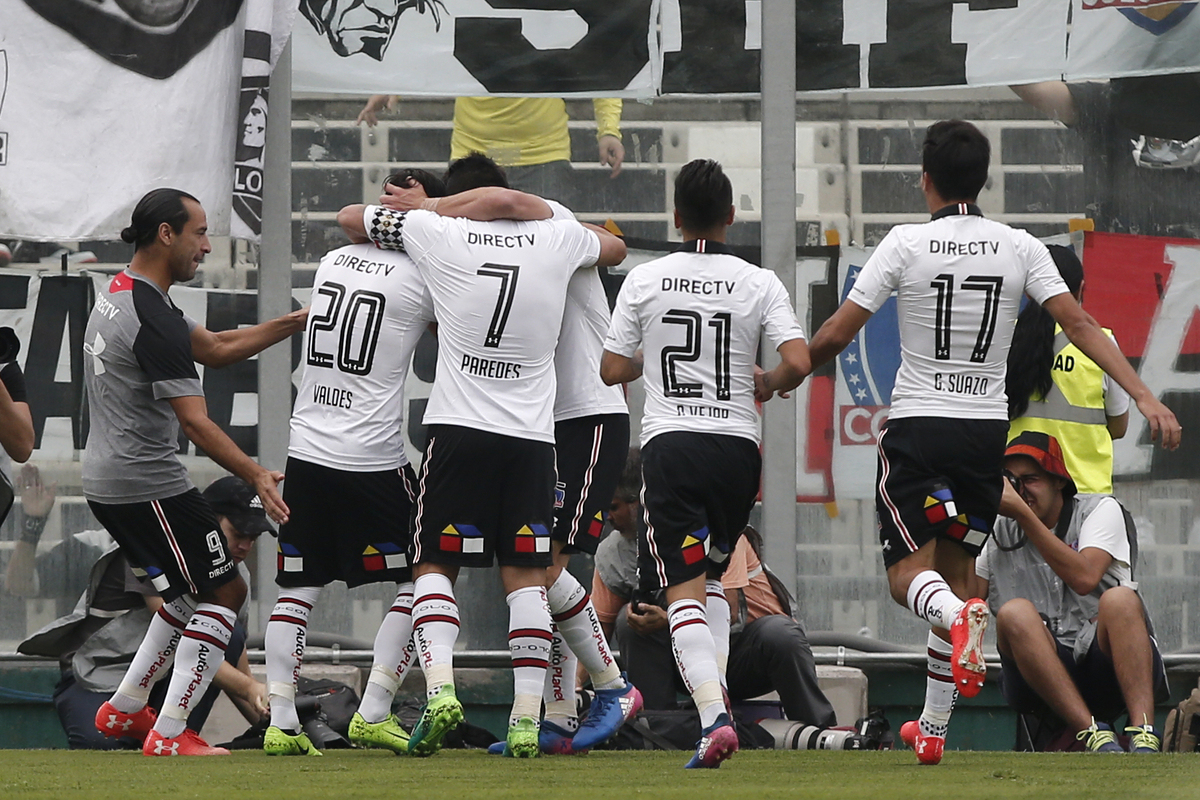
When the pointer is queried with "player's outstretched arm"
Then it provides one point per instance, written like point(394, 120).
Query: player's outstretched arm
point(192, 412)
point(615, 368)
point(612, 247)
point(486, 203)
point(1086, 334)
point(787, 375)
point(837, 332)
point(220, 349)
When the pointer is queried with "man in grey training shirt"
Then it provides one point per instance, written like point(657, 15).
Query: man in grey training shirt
point(142, 388)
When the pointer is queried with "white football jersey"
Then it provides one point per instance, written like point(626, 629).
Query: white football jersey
point(698, 314)
point(369, 308)
point(581, 393)
point(959, 280)
point(498, 291)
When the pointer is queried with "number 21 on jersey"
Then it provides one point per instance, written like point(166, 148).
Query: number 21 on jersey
point(690, 351)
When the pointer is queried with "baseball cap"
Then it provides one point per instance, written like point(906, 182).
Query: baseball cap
point(232, 497)
point(1044, 449)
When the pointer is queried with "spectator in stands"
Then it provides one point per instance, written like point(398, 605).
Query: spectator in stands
point(1141, 149)
point(1055, 388)
point(527, 136)
point(95, 643)
point(768, 648)
point(1073, 633)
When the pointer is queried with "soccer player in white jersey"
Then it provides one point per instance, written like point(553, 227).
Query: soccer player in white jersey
point(959, 280)
point(698, 315)
point(349, 484)
point(591, 438)
point(486, 487)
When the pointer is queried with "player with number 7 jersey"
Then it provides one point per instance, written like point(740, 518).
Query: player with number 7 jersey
point(486, 487)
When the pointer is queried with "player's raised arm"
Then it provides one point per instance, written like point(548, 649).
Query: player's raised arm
point(485, 203)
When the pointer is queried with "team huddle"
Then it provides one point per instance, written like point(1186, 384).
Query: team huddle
point(527, 431)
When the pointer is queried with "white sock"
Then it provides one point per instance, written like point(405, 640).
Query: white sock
point(155, 655)
point(201, 651)
point(284, 641)
point(529, 642)
point(575, 616)
point(696, 655)
point(393, 655)
point(717, 614)
point(435, 629)
point(932, 599)
point(558, 693)
point(940, 693)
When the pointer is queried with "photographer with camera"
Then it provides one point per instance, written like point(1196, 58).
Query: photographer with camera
point(1075, 639)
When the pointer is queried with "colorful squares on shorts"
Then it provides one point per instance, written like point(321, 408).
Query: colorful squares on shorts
point(461, 538)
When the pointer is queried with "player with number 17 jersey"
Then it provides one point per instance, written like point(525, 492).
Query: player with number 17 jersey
point(959, 280)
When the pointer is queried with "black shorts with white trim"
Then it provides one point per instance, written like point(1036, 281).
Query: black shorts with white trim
point(591, 452)
point(175, 543)
point(484, 497)
point(698, 493)
point(938, 477)
point(345, 526)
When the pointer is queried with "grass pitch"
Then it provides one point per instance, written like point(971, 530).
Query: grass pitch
point(473, 775)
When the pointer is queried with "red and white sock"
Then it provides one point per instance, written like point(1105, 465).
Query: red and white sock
point(940, 693)
point(394, 650)
point(558, 692)
point(932, 599)
point(200, 653)
point(435, 629)
point(717, 613)
point(696, 656)
point(573, 612)
point(155, 655)
point(529, 642)
point(284, 641)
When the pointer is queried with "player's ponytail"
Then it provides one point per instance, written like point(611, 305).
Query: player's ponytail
point(155, 208)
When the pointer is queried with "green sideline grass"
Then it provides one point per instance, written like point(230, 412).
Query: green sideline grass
point(473, 775)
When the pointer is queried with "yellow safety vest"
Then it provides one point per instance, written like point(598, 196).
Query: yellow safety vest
point(1073, 413)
